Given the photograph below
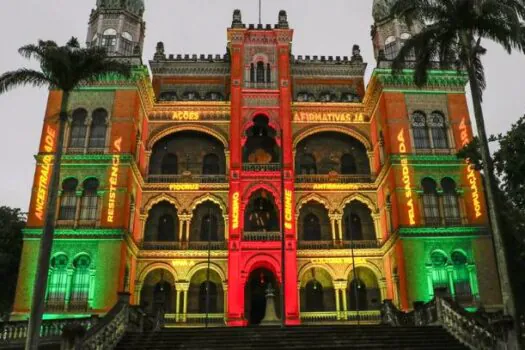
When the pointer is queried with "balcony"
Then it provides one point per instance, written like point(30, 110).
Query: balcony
point(262, 236)
point(335, 178)
point(221, 245)
point(197, 178)
point(261, 167)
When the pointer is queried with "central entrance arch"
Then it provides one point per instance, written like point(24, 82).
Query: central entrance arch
point(255, 295)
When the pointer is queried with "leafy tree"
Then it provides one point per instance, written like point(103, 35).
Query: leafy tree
point(12, 221)
point(452, 36)
point(61, 68)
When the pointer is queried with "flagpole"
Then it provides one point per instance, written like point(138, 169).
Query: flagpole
point(283, 238)
point(260, 10)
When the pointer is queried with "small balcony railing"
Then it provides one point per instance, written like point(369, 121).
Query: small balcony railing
point(357, 244)
point(261, 167)
point(336, 178)
point(181, 320)
point(195, 245)
point(160, 245)
point(316, 244)
point(436, 151)
point(361, 244)
point(262, 236)
point(334, 317)
point(200, 179)
point(202, 245)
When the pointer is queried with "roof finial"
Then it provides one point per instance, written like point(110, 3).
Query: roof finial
point(260, 10)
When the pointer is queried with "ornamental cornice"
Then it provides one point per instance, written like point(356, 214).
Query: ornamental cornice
point(455, 231)
point(186, 254)
point(83, 233)
point(428, 160)
point(197, 188)
point(447, 80)
point(328, 71)
point(191, 69)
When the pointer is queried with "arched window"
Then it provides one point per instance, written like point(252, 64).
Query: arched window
point(314, 296)
point(68, 200)
point(126, 45)
point(438, 130)
point(209, 228)
point(354, 227)
point(89, 201)
point(307, 164)
point(312, 228)
point(348, 165)
point(57, 284)
point(208, 289)
point(162, 297)
point(170, 164)
point(78, 130)
point(109, 39)
point(260, 72)
point(357, 295)
point(97, 137)
point(420, 131)
point(430, 202)
point(166, 228)
point(450, 202)
point(439, 272)
point(80, 284)
point(462, 286)
point(391, 48)
point(252, 73)
point(358, 223)
point(210, 164)
point(268, 73)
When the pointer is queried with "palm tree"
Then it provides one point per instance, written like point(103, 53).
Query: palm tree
point(61, 68)
point(452, 37)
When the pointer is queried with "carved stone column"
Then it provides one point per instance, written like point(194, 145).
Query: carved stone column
point(184, 287)
point(181, 229)
point(147, 156)
point(225, 301)
point(136, 293)
point(345, 302)
point(377, 225)
point(226, 218)
point(339, 287)
point(227, 156)
point(143, 219)
point(177, 305)
point(450, 271)
point(333, 219)
point(382, 288)
point(339, 219)
point(337, 302)
point(388, 211)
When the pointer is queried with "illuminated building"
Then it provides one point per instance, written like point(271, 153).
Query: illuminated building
point(213, 149)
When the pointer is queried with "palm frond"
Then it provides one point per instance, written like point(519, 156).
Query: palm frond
point(10, 80)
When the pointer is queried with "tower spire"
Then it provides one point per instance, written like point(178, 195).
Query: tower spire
point(260, 11)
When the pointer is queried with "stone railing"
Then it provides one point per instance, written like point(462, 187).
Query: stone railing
point(110, 330)
point(361, 244)
point(192, 320)
point(262, 236)
point(364, 316)
point(319, 317)
point(335, 178)
point(15, 333)
point(335, 317)
point(203, 245)
point(272, 167)
point(198, 179)
point(160, 245)
point(316, 244)
point(478, 330)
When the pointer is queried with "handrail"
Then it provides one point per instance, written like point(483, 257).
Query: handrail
point(261, 236)
point(261, 167)
point(335, 178)
point(193, 178)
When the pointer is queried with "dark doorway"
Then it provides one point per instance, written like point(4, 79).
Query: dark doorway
point(255, 296)
point(357, 295)
point(161, 297)
point(212, 295)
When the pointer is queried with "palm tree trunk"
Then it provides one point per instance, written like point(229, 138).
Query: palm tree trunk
point(488, 169)
point(46, 242)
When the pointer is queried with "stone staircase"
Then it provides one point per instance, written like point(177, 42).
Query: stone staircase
point(312, 337)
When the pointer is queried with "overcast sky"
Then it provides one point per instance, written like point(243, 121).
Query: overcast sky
point(322, 27)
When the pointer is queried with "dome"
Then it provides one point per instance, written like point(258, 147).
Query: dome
point(381, 9)
point(134, 6)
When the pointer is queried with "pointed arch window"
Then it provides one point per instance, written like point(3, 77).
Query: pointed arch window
point(354, 227)
point(209, 228)
point(166, 228)
point(268, 73)
point(440, 279)
point(450, 202)
point(78, 130)
point(170, 164)
point(252, 73)
point(462, 287)
point(430, 202)
point(314, 296)
point(109, 40)
point(68, 200)
point(80, 286)
point(348, 164)
point(420, 131)
point(57, 284)
point(210, 164)
point(312, 228)
point(89, 201)
point(438, 130)
point(97, 136)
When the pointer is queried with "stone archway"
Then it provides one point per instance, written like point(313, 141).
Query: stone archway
point(158, 292)
point(259, 282)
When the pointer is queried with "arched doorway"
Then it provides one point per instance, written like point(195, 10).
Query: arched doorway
point(157, 294)
point(317, 291)
point(261, 213)
point(255, 295)
point(204, 285)
point(363, 290)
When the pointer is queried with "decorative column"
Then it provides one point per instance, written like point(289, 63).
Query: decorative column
point(78, 195)
point(226, 218)
point(181, 228)
point(227, 156)
point(136, 293)
point(345, 302)
point(473, 281)
point(395, 285)
point(67, 295)
point(340, 225)
point(377, 225)
point(333, 219)
point(225, 301)
point(183, 287)
point(382, 288)
point(340, 287)
point(388, 212)
point(450, 270)
point(177, 305)
point(430, 281)
point(337, 302)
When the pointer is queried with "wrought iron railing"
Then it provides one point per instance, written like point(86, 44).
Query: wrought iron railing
point(262, 236)
point(193, 178)
point(261, 167)
point(335, 178)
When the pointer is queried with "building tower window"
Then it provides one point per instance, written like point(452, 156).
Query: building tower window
point(312, 228)
point(391, 48)
point(126, 44)
point(438, 130)
point(77, 134)
point(170, 164)
point(268, 73)
point(57, 284)
point(68, 200)
point(440, 278)
point(420, 131)
point(109, 40)
point(450, 202)
point(79, 300)
point(89, 201)
point(260, 72)
point(430, 202)
point(462, 286)
point(97, 136)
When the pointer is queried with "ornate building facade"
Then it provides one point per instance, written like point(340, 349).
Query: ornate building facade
point(204, 171)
